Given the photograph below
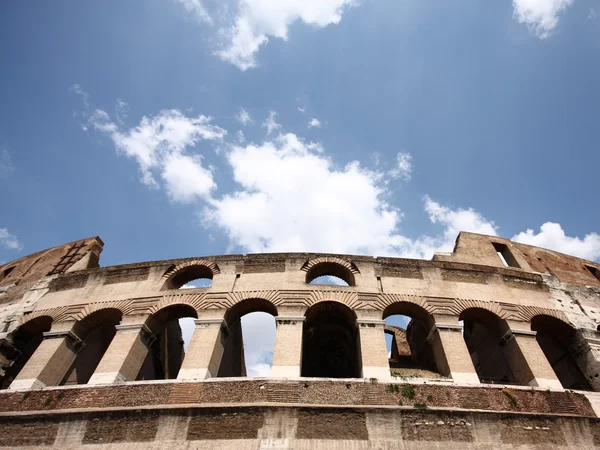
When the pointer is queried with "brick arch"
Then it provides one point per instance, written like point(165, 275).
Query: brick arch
point(124, 306)
point(349, 299)
point(461, 305)
point(248, 306)
point(177, 275)
point(330, 265)
point(529, 312)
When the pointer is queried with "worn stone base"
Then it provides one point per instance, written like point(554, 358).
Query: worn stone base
point(272, 427)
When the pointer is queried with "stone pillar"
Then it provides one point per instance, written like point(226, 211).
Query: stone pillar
point(373, 349)
point(51, 361)
point(287, 354)
point(585, 349)
point(125, 355)
point(527, 360)
point(452, 356)
point(203, 357)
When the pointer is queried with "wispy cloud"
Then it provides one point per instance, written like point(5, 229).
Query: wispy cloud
point(540, 16)
point(314, 123)
point(8, 240)
point(243, 117)
point(270, 124)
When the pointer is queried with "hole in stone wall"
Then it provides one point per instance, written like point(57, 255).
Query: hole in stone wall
point(329, 280)
point(251, 339)
point(594, 272)
point(330, 342)
point(483, 332)
point(330, 270)
point(555, 337)
point(409, 351)
point(167, 351)
point(505, 255)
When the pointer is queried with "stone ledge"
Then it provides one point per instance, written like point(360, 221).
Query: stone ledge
point(356, 393)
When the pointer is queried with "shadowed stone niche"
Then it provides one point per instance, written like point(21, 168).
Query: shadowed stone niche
point(330, 342)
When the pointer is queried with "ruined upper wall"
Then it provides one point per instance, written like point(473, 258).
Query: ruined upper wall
point(18, 276)
point(481, 249)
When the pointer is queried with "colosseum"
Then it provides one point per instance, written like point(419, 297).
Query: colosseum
point(502, 351)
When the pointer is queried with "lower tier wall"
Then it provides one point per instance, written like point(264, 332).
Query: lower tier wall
point(272, 427)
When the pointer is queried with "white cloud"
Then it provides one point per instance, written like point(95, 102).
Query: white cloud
point(455, 221)
point(9, 240)
point(159, 144)
point(592, 14)
point(257, 20)
point(270, 123)
point(301, 109)
point(314, 123)
point(196, 8)
point(6, 164)
point(553, 237)
point(540, 16)
point(403, 169)
point(244, 117)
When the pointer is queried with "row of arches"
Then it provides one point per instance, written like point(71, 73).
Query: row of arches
point(330, 343)
point(322, 272)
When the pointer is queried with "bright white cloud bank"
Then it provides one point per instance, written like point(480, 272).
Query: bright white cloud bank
point(9, 240)
point(540, 16)
point(552, 236)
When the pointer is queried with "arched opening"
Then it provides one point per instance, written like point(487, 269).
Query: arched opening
point(251, 339)
point(410, 352)
point(331, 342)
point(166, 352)
point(23, 343)
point(330, 269)
point(195, 276)
point(329, 280)
point(483, 332)
point(96, 332)
point(555, 337)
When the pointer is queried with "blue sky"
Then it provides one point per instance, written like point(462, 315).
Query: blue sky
point(176, 128)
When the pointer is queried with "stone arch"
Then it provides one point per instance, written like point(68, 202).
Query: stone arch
point(421, 354)
point(166, 350)
point(332, 266)
point(486, 335)
point(233, 362)
point(96, 331)
point(331, 342)
point(21, 344)
point(556, 338)
point(178, 275)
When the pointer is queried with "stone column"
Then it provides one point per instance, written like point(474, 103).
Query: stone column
point(125, 355)
point(373, 349)
point(585, 349)
point(203, 357)
point(287, 354)
point(452, 356)
point(51, 361)
point(527, 360)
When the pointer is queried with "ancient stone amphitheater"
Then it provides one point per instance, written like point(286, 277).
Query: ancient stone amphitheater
point(502, 351)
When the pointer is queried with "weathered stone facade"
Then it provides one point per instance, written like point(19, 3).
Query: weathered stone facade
point(513, 322)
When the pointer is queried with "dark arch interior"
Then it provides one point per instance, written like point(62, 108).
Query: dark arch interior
point(330, 269)
point(96, 331)
point(410, 348)
point(188, 274)
point(166, 352)
point(233, 363)
point(482, 331)
point(25, 340)
point(555, 337)
point(330, 342)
